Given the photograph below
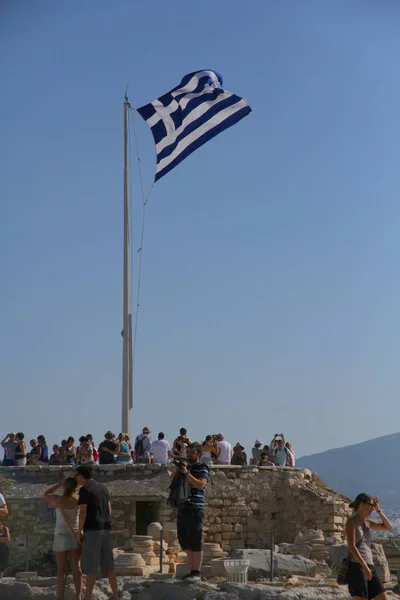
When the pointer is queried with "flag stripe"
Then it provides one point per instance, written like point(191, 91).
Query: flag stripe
point(209, 110)
point(217, 122)
point(189, 115)
point(202, 140)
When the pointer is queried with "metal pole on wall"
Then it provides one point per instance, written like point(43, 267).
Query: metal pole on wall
point(27, 553)
point(272, 547)
point(161, 549)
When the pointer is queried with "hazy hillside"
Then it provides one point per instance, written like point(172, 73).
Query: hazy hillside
point(372, 466)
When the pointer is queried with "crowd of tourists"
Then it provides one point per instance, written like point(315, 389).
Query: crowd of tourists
point(119, 449)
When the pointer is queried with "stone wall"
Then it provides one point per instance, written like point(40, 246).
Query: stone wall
point(244, 506)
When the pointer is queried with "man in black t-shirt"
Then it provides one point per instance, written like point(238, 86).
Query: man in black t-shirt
point(95, 529)
point(108, 449)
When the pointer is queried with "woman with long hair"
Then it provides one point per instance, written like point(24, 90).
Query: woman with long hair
point(208, 447)
point(66, 538)
point(361, 576)
point(43, 450)
point(20, 450)
point(124, 452)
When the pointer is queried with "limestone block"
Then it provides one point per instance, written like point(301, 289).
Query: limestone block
point(323, 569)
point(181, 557)
point(151, 561)
point(153, 530)
point(237, 543)
point(336, 555)
point(142, 538)
point(25, 574)
point(381, 563)
point(12, 589)
point(182, 569)
point(284, 564)
point(170, 536)
point(217, 567)
point(161, 576)
point(300, 549)
point(157, 546)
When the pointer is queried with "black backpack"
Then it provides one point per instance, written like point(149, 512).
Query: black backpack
point(178, 491)
point(139, 447)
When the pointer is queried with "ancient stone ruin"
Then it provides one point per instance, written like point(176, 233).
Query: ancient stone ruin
point(249, 512)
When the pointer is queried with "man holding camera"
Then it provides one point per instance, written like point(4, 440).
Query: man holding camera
point(191, 512)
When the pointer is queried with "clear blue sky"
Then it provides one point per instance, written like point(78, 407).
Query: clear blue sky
point(270, 298)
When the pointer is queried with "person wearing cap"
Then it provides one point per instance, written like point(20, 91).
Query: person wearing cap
point(9, 444)
point(143, 444)
point(256, 452)
point(281, 455)
point(190, 515)
point(239, 456)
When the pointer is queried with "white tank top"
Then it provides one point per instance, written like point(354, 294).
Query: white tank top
point(61, 525)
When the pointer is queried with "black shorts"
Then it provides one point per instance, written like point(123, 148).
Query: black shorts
point(359, 584)
point(190, 528)
point(4, 550)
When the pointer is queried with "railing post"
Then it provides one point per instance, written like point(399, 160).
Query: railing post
point(161, 550)
point(27, 553)
point(272, 547)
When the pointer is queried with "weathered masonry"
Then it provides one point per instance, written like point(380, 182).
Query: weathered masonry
point(244, 505)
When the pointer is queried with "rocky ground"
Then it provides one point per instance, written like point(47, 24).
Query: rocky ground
point(138, 588)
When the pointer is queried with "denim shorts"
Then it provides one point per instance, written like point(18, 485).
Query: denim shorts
point(97, 553)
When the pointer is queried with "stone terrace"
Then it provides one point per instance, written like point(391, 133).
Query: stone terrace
point(244, 505)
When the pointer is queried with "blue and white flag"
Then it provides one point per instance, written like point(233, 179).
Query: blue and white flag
point(189, 115)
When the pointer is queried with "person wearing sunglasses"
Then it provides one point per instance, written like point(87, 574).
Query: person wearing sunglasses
point(361, 577)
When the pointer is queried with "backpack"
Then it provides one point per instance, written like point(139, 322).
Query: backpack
point(95, 454)
point(287, 455)
point(139, 447)
point(178, 491)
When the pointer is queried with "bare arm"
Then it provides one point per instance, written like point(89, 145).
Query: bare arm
point(385, 524)
point(6, 538)
point(49, 495)
point(350, 531)
point(3, 441)
point(283, 439)
point(82, 516)
point(199, 484)
point(4, 511)
point(109, 508)
point(289, 458)
point(22, 452)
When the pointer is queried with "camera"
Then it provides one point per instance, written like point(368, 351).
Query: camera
point(179, 463)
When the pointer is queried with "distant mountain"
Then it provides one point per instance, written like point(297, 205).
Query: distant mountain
point(372, 467)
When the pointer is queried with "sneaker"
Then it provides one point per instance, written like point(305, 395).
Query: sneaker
point(193, 577)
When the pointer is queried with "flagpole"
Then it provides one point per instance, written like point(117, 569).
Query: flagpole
point(127, 316)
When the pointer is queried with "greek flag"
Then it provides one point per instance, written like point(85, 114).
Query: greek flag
point(189, 115)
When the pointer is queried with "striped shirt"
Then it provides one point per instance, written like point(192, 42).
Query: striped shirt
point(196, 497)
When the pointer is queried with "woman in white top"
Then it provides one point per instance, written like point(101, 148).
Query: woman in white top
point(209, 448)
point(66, 541)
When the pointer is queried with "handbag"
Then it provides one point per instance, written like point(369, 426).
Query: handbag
point(70, 526)
point(344, 569)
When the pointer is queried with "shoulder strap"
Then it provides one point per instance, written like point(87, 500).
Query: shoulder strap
point(67, 520)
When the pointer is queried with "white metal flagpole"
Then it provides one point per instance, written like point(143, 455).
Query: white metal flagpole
point(127, 316)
